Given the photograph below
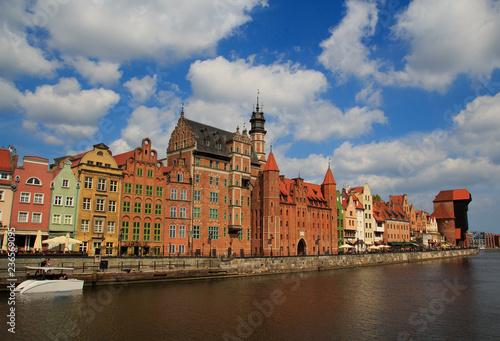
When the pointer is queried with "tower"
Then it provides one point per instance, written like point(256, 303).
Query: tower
point(271, 232)
point(258, 133)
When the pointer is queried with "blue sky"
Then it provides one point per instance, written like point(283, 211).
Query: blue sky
point(402, 95)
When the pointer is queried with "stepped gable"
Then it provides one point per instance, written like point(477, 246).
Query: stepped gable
point(453, 194)
point(271, 164)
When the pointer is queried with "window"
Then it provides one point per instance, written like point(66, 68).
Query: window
point(196, 232)
point(180, 177)
point(101, 184)
point(83, 247)
point(213, 232)
point(240, 235)
point(147, 208)
point(196, 212)
point(157, 232)
point(149, 190)
point(216, 181)
point(197, 178)
point(171, 249)
point(33, 181)
point(138, 189)
point(182, 231)
point(99, 204)
point(58, 200)
point(127, 188)
point(56, 219)
point(36, 218)
point(196, 195)
point(197, 161)
point(139, 172)
point(22, 217)
point(182, 249)
point(86, 204)
point(149, 173)
point(214, 197)
point(171, 231)
point(68, 219)
point(124, 230)
point(111, 227)
point(158, 209)
point(1, 195)
point(182, 212)
point(65, 183)
point(98, 224)
point(112, 206)
point(136, 230)
point(159, 191)
point(213, 213)
point(126, 207)
point(25, 197)
point(147, 232)
point(88, 182)
point(4, 176)
point(137, 207)
point(173, 212)
point(183, 194)
point(69, 201)
point(173, 194)
point(109, 249)
point(113, 187)
point(211, 180)
point(84, 226)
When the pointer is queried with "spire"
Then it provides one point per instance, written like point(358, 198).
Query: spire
point(257, 107)
point(329, 179)
point(271, 164)
point(182, 111)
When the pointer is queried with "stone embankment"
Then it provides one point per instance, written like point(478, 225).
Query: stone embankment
point(121, 269)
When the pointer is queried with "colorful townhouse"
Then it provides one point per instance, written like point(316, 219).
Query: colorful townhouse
point(363, 194)
point(8, 162)
point(340, 221)
point(402, 201)
point(450, 212)
point(31, 201)
point(350, 217)
point(99, 200)
point(142, 210)
point(64, 203)
point(396, 223)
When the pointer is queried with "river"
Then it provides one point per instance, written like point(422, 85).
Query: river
point(452, 299)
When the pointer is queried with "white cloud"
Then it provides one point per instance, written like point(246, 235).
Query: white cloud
point(9, 95)
point(141, 89)
point(18, 56)
point(477, 128)
point(445, 39)
point(122, 30)
point(369, 96)
point(96, 72)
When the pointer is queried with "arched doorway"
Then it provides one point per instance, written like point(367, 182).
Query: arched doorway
point(302, 248)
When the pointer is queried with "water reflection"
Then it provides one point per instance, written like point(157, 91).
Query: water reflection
point(403, 301)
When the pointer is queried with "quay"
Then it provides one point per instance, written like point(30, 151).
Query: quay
point(149, 269)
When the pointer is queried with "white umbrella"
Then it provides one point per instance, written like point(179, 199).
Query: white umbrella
point(38, 241)
point(4, 243)
point(373, 248)
point(346, 246)
point(383, 246)
point(70, 241)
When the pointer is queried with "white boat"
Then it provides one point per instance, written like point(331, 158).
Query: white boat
point(49, 279)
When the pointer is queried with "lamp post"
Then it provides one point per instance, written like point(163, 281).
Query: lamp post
point(271, 242)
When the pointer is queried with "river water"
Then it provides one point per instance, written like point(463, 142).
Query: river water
point(454, 299)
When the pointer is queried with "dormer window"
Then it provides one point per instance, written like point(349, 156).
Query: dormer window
point(99, 153)
point(219, 145)
point(207, 143)
point(33, 181)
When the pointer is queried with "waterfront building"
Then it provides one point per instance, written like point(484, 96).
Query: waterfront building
point(363, 194)
point(396, 223)
point(64, 201)
point(379, 224)
point(99, 200)
point(31, 201)
point(142, 214)
point(222, 168)
point(402, 201)
point(350, 217)
point(8, 162)
point(340, 221)
point(450, 212)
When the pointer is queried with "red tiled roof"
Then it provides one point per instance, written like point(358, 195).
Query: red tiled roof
point(357, 203)
point(271, 164)
point(5, 160)
point(329, 179)
point(315, 195)
point(441, 212)
point(75, 160)
point(358, 190)
point(122, 158)
point(453, 194)
point(397, 199)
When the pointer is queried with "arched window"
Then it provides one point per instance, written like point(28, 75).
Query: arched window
point(33, 181)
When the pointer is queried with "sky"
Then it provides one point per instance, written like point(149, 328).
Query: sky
point(402, 95)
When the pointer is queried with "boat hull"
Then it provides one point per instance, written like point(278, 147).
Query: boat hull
point(48, 285)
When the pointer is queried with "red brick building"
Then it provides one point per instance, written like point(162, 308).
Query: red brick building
point(450, 211)
point(396, 222)
point(143, 193)
point(31, 200)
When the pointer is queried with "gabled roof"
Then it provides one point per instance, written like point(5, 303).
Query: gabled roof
point(358, 190)
point(441, 212)
point(285, 186)
point(271, 164)
point(397, 199)
point(454, 194)
point(329, 179)
point(121, 159)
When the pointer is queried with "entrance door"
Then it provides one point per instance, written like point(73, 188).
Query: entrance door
point(96, 248)
point(301, 248)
